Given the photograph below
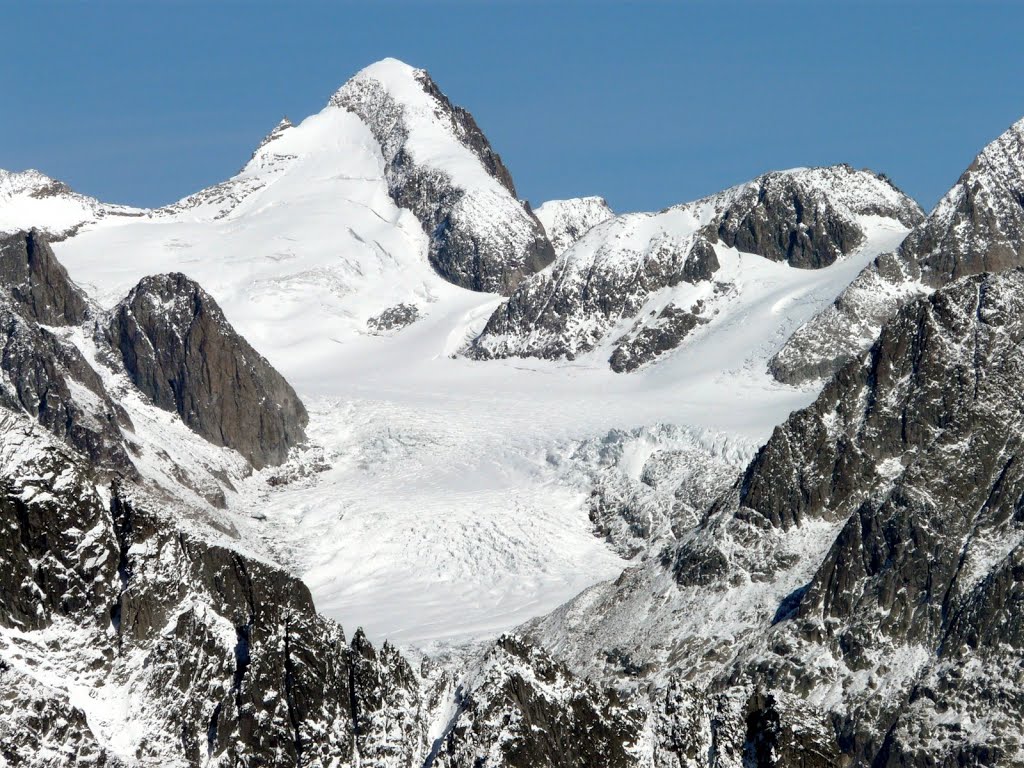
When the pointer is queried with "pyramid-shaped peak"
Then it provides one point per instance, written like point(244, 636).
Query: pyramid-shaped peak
point(406, 84)
point(278, 129)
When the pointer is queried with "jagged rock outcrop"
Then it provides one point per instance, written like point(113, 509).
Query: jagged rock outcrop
point(978, 226)
point(48, 378)
point(179, 349)
point(566, 221)
point(567, 310)
point(524, 709)
point(440, 166)
point(43, 374)
point(393, 319)
point(195, 653)
point(868, 556)
point(921, 439)
point(807, 218)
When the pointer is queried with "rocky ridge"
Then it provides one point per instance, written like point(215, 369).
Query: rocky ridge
point(807, 218)
point(828, 599)
point(179, 349)
point(978, 226)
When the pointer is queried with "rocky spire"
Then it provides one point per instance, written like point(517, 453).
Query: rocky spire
point(180, 350)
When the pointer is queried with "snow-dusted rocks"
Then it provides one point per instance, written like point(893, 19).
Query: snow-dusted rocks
point(566, 221)
point(809, 217)
point(440, 166)
point(30, 199)
point(524, 709)
point(41, 374)
point(978, 226)
point(179, 349)
point(128, 639)
point(623, 268)
point(869, 552)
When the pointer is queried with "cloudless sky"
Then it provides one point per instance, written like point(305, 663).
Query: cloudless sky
point(648, 104)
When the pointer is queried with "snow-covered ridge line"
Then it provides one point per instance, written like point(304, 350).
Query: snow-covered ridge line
point(30, 199)
point(806, 218)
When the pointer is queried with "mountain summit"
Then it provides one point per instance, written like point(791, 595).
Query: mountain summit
point(439, 165)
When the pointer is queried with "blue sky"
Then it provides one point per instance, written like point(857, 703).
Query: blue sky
point(646, 104)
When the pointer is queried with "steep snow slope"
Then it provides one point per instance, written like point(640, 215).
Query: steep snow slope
point(566, 221)
point(439, 165)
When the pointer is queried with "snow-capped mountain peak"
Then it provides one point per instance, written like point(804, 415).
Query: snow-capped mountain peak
point(30, 199)
point(439, 165)
point(433, 131)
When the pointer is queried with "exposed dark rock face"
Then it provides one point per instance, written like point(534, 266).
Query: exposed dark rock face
point(783, 218)
point(465, 128)
point(649, 341)
point(53, 567)
point(59, 557)
point(180, 350)
point(925, 443)
point(481, 237)
point(223, 657)
point(238, 663)
point(977, 227)
point(38, 282)
point(806, 218)
point(42, 377)
point(41, 728)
